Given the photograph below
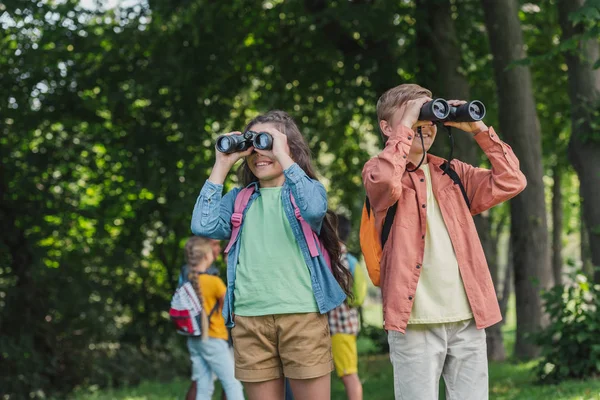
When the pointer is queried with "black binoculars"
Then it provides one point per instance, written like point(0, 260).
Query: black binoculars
point(440, 110)
point(241, 142)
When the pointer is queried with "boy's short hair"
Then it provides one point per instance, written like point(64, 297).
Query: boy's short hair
point(395, 97)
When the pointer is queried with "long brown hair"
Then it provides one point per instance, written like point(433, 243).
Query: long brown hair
point(196, 248)
point(300, 153)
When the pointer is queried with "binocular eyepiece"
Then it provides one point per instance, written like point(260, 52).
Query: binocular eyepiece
point(242, 142)
point(441, 110)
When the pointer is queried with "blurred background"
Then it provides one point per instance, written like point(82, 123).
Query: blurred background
point(108, 115)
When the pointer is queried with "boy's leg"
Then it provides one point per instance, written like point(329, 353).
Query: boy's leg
point(201, 372)
point(418, 358)
point(345, 359)
point(217, 355)
point(353, 387)
point(466, 369)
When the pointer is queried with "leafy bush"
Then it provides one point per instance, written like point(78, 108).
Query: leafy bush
point(378, 336)
point(570, 345)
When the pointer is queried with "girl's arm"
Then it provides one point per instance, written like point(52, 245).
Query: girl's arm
point(310, 196)
point(212, 212)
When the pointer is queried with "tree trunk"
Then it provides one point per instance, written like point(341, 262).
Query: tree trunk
point(520, 126)
point(557, 226)
point(586, 253)
point(584, 147)
point(436, 31)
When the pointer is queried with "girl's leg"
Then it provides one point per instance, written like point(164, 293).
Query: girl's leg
point(304, 346)
point(217, 355)
point(201, 372)
point(267, 390)
point(312, 389)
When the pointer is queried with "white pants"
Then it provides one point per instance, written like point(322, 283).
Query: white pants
point(457, 351)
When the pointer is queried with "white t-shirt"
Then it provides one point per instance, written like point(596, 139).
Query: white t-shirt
point(440, 295)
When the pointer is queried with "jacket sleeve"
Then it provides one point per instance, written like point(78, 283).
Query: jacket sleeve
point(310, 196)
point(382, 174)
point(489, 187)
point(212, 212)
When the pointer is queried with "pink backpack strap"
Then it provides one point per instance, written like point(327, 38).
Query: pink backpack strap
point(306, 229)
point(241, 201)
point(312, 239)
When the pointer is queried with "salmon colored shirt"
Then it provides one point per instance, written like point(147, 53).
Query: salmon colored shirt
point(387, 182)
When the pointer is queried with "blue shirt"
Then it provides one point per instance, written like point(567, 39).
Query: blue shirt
point(212, 218)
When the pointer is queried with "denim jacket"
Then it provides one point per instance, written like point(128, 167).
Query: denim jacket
point(212, 218)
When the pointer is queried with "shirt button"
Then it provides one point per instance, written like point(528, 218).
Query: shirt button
point(423, 206)
point(410, 297)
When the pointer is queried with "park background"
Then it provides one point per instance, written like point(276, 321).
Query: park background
point(108, 115)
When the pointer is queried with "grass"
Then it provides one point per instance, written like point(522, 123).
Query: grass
point(508, 380)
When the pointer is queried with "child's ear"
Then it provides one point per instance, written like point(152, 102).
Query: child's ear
point(385, 127)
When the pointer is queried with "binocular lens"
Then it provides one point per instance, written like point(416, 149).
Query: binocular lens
point(440, 109)
point(225, 144)
point(263, 141)
point(237, 142)
point(476, 110)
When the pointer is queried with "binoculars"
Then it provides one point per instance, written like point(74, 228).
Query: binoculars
point(241, 142)
point(440, 110)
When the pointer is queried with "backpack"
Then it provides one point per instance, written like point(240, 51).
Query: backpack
point(186, 311)
point(372, 244)
point(312, 239)
point(359, 283)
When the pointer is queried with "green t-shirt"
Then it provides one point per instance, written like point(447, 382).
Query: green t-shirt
point(272, 276)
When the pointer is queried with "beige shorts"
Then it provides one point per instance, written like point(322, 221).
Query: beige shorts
point(268, 347)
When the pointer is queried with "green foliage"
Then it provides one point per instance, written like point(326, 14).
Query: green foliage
point(570, 347)
point(378, 337)
point(107, 124)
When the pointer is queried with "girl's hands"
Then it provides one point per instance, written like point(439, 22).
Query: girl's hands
point(280, 151)
point(469, 127)
point(228, 160)
point(224, 162)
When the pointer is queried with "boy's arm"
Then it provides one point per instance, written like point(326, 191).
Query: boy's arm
point(489, 187)
point(382, 174)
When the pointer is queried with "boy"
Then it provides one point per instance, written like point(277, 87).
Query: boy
point(438, 294)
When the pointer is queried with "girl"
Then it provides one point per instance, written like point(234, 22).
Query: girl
point(210, 353)
point(280, 295)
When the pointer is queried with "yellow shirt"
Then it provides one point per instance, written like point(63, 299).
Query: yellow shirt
point(440, 295)
point(213, 289)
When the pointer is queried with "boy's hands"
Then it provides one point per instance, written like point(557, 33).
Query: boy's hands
point(469, 127)
point(409, 113)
